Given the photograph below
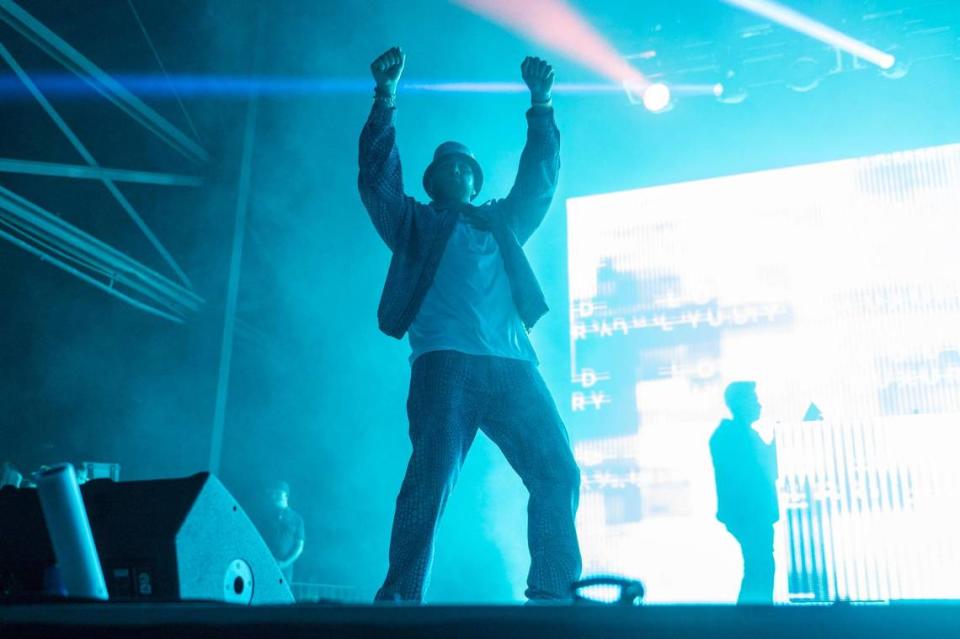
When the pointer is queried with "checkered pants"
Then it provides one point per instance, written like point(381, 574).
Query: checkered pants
point(452, 395)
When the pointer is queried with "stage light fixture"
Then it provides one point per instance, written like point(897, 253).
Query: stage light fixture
point(900, 68)
point(656, 97)
point(898, 71)
point(731, 90)
point(805, 74)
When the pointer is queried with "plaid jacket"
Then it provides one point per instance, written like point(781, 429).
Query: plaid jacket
point(417, 233)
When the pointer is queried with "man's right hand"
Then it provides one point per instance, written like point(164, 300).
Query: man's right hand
point(387, 68)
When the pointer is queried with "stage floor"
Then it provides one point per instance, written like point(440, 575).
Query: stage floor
point(185, 620)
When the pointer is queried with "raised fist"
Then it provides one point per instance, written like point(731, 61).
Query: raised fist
point(538, 75)
point(387, 68)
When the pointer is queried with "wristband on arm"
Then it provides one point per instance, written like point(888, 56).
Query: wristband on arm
point(542, 102)
point(384, 95)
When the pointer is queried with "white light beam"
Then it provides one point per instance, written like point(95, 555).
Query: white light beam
point(817, 30)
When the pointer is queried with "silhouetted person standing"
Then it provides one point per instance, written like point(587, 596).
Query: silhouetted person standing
point(460, 286)
point(281, 527)
point(745, 468)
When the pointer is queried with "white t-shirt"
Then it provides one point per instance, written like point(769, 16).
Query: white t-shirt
point(469, 307)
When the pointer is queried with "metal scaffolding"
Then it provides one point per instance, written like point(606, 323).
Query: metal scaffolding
point(38, 231)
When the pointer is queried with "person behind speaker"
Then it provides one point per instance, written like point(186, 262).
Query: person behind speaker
point(281, 527)
point(745, 470)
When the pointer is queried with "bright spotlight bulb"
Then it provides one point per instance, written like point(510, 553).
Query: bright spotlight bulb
point(656, 97)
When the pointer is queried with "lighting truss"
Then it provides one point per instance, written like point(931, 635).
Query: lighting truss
point(61, 51)
point(40, 232)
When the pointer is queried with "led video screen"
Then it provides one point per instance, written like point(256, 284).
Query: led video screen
point(834, 286)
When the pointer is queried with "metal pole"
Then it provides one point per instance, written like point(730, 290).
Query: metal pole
point(87, 172)
point(230, 312)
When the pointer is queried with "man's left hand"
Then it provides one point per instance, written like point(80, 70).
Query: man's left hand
point(538, 75)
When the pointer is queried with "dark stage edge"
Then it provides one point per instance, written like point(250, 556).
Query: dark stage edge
point(185, 621)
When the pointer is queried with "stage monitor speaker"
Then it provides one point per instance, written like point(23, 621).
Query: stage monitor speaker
point(163, 540)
